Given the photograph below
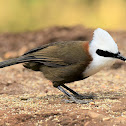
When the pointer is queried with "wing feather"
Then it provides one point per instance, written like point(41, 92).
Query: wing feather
point(58, 54)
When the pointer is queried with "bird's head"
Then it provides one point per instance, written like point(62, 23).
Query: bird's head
point(104, 46)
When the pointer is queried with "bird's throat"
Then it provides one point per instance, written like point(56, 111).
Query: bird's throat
point(97, 65)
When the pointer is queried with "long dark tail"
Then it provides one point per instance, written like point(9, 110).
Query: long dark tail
point(13, 61)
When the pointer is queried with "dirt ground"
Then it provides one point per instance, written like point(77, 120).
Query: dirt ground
point(28, 99)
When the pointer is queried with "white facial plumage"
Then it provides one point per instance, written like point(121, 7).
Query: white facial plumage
point(103, 41)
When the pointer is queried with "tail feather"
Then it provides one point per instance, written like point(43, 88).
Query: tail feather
point(12, 61)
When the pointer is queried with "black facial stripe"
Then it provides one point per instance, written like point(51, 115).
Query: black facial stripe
point(106, 53)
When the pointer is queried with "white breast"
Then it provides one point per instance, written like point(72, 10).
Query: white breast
point(97, 64)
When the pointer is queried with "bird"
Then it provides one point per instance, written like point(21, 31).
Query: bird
point(69, 61)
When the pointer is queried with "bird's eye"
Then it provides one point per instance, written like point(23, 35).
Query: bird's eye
point(100, 52)
point(104, 53)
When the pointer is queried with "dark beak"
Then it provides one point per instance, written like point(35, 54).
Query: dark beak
point(119, 56)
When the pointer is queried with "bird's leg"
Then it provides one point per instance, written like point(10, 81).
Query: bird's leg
point(75, 93)
point(65, 92)
point(72, 98)
point(72, 91)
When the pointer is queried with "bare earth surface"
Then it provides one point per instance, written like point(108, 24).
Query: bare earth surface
point(28, 99)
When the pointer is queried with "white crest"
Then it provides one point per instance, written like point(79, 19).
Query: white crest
point(103, 40)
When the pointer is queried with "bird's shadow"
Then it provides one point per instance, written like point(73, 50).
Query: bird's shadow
point(93, 96)
point(100, 95)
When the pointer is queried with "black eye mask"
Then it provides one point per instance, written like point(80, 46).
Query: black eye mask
point(110, 54)
point(106, 53)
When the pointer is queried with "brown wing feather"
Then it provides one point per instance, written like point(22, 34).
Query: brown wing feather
point(65, 53)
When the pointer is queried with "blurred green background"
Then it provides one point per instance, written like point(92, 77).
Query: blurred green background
point(29, 15)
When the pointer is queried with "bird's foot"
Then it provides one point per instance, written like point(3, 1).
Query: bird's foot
point(81, 97)
point(78, 101)
point(74, 99)
point(75, 94)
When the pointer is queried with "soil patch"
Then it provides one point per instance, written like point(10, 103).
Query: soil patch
point(28, 99)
